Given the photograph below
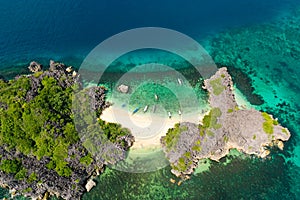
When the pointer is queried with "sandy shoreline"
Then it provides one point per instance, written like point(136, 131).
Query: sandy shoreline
point(147, 128)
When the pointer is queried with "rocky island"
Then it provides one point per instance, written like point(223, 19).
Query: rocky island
point(41, 153)
point(225, 127)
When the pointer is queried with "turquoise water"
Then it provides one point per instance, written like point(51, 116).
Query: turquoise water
point(261, 38)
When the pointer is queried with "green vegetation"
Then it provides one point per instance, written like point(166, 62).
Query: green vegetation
point(230, 110)
point(254, 137)
point(210, 133)
point(34, 127)
point(32, 177)
point(21, 174)
point(226, 138)
point(43, 125)
point(38, 74)
point(196, 148)
point(10, 166)
point(113, 131)
point(217, 86)
point(172, 136)
point(27, 190)
point(268, 125)
point(187, 154)
point(86, 160)
point(182, 164)
point(284, 131)
point(275, 122)
point(210, 122)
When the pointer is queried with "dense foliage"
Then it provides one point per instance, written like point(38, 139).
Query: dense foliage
point(42, 126)
point(172, 136)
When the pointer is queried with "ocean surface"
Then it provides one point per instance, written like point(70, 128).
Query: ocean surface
point(259, 40)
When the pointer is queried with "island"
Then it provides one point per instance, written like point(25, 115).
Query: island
point(41, 153)
point(226, 126)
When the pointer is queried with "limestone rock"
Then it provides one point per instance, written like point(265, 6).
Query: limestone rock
point(69, 69)
point(52, 65)
point(56, 66)
point(229, 127)
point(35, 67)
point(74, 74)
point(123, 88)
point(89, 185)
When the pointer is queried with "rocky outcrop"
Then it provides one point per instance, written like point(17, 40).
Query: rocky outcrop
point(97, 98)
point(123, 88)
point(58, 72)
point(35, 67)
point(89, 185)
point(226, 126)
point(48, 181)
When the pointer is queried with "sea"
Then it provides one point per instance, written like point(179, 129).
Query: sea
point(258, 40)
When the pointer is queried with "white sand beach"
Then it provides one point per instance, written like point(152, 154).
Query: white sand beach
point(147, 128)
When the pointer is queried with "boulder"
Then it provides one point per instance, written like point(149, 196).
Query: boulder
point(52, 65)
point(56, 66)
point(35, 67)
point(74, 74)
point(69, 69)
point(123, 88)
point(89, 185)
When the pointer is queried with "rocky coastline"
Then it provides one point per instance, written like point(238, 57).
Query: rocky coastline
point(40, 180)
point(227, 126)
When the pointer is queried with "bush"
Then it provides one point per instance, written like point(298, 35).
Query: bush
point(10, 166)
point(21, 174)
point(86, 160)
point(268, 125)
point(217, 86)
point(210, 122)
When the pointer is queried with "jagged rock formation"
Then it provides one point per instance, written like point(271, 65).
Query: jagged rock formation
point(57, 71)
point(225, 127)
point(38, 179)
point(35, 67)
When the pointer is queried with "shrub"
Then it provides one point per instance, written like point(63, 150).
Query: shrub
point(10, 166)
point(217, 86)
point(268, 125)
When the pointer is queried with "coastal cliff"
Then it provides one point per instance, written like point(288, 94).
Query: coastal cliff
point(225, 127)
point(41, 153)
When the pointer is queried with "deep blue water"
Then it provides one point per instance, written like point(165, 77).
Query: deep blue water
point(67, 30)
